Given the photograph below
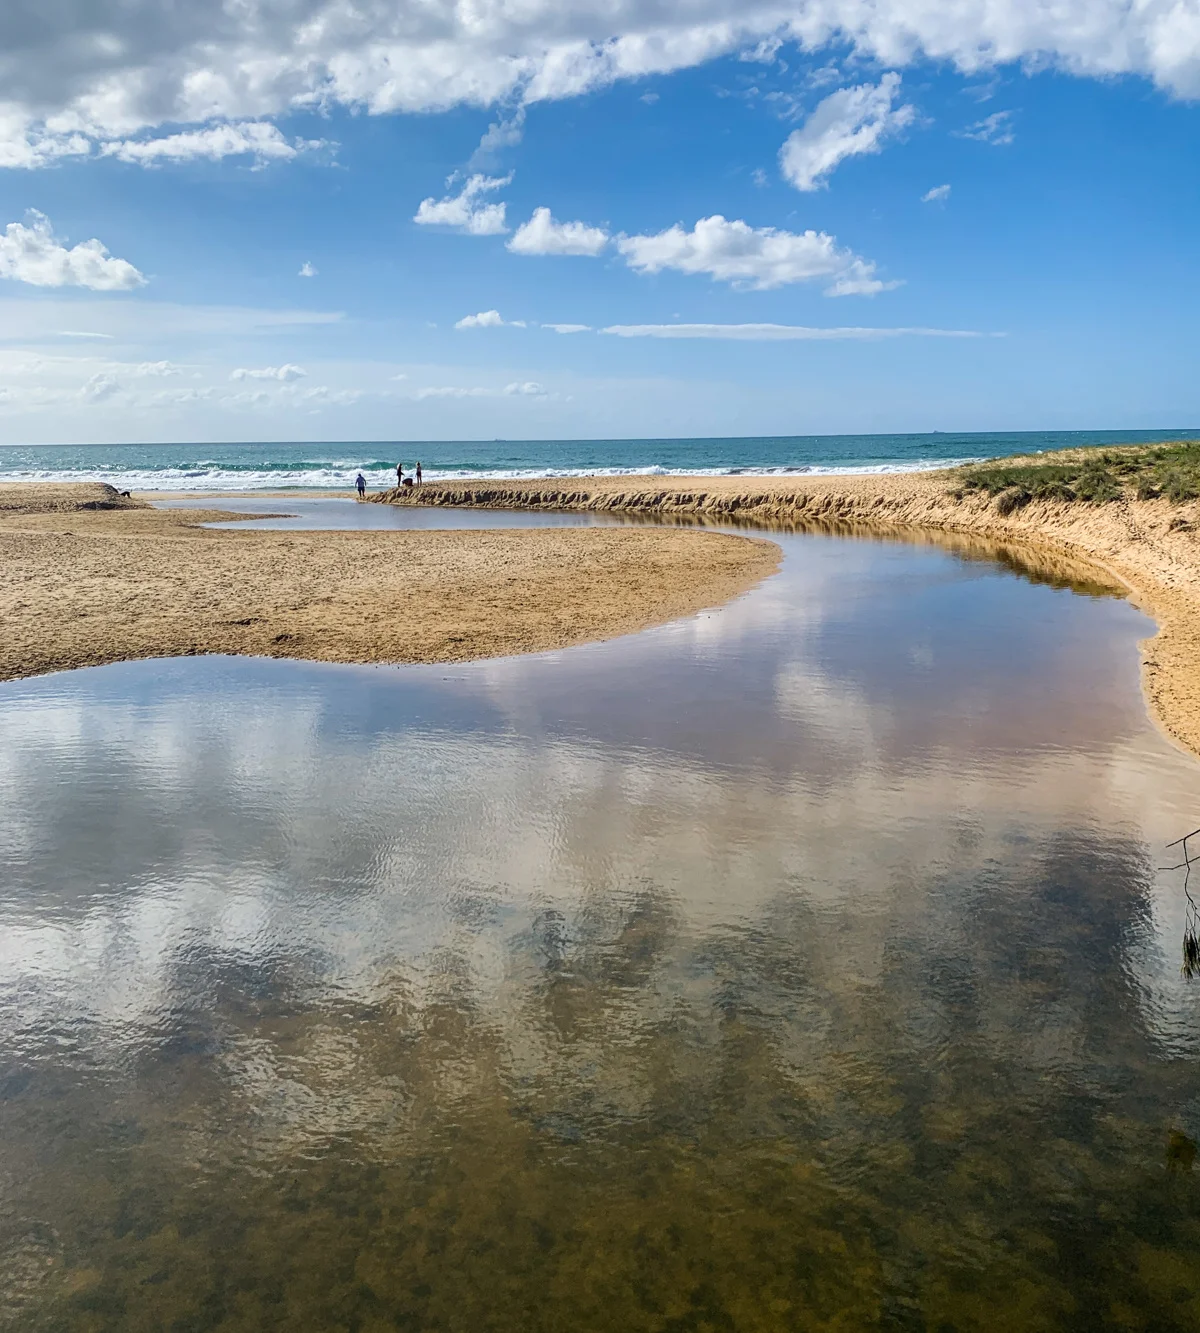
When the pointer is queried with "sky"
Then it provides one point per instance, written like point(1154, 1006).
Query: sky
point(385, 220)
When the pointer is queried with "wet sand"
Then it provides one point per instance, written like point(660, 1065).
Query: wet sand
point(93, 578)
point(1152, 547)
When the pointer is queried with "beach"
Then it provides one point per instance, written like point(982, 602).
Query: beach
point(1151, 547)
point(89, 585)
point(86, 586)
point(546, 981)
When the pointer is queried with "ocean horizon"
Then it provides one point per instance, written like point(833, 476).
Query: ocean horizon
point(286, 465)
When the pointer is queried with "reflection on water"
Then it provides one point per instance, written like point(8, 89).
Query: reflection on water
point(331, 513)
point(800, 966)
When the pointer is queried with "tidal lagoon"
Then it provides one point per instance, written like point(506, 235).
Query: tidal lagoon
point(804, 964)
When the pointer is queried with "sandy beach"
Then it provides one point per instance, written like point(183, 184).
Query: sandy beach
point(1150, 547)
point(89, 585)
point(86, 585)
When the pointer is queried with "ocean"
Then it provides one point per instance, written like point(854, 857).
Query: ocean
point(283, 465)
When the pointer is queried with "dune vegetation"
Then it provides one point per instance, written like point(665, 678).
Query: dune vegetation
point(1095, 476)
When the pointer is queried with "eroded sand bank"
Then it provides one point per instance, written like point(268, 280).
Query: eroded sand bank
point(91, 577)
point(1151, 546)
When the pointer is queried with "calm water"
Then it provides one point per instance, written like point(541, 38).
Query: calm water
point(235, 467)
point(800, 966)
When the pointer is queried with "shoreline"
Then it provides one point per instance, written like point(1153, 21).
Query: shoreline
point(94, 578)
point(1151, 548)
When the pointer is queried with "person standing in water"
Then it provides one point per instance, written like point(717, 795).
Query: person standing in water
point(418, 473)
point(360, 485)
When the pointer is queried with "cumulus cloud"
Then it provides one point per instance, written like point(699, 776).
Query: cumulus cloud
point(254, 138)
point(24, 144)
point(157, 369)
point(504, 133)
point(846, 123)
point(755, 258)
point(488, 319)
point(100, 386)
point(465, 211)
point(996, 128)
point(307, 270)
point(133, 67)
point(529, 389)
point(569, 328)
point(32, 253)
point(280, 373)
point(542, 235)
point(781, 332)
point(939, 194)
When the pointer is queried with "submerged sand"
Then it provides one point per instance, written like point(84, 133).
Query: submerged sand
point(91, 578)
point(1152, 547)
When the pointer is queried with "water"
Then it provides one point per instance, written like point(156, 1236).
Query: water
point(802, 965)
point(337, 514)
point(177, 467)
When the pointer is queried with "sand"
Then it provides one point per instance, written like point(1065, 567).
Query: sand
point(85, 586)
point(90, 579)
point(1151, 548)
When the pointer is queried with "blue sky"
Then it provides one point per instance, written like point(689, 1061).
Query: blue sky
point(856, 230)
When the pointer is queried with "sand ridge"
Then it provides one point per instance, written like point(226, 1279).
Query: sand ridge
point(89, 585)
point(1152, 547)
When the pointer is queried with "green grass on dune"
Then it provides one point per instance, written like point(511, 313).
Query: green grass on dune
point(1095, 476)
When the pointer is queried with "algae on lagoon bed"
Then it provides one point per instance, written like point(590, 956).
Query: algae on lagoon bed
point(821, 980)
point(728, 1138)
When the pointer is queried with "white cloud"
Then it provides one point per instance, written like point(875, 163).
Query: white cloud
point(488, 319)
point(100, 386)
point(255, 138)
point(24, 144)
point(281, 373)
point(33, 254)
point(128, 68)
point(506, 132)
point(527, 389)
point(157, 368)
point(765, 52)
point(464, 211)
point(939, 194)
point(569, 328)
point(996, 128)
point(858, 279)
point(307, 270)
point(542, 235)
point(755, 258)
point(846, 123)
point(450, 391)
point(151, 325)
point(781, 332)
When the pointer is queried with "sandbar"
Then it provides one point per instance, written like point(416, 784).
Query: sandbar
point(92, 577)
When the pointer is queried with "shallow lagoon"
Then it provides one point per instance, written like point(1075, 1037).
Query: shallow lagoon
point(803, 965)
